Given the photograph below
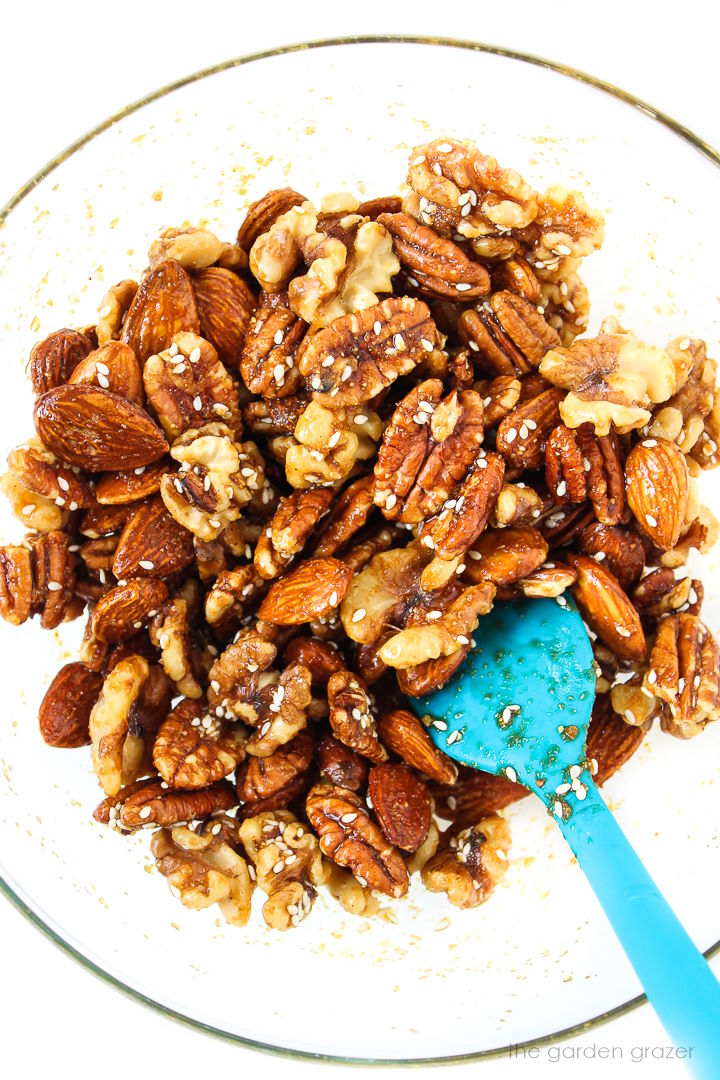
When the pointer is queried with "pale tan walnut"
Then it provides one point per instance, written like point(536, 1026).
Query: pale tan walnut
point(35, 511)
point(418, 859)
point(340, 279)
point(118, 748)
point(42, 490)
point(355, 898)
point(613, 378)
point(360, 355)
point(203, 868)
point(700, 533)
point(637, 705)
point(170, 632)
point(565, 227)
point(565, 304)
point(352, 717)
point(464, 191)
point(288, 865)
point(427, 450)
point(684, 673)
point(682, 419)
point(113, 308)
point(471, 863)
point(442, 636)
point(292, 525)
point(188, 386)
point(350, 837)
point(328, 443)
point(244, 685)
point(517, 504)
point(218, 477)
point(233, 595)
point(195, 748)
point(195, 248)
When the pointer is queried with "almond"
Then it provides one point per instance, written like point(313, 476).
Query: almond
point(152, 544)
point(124, 610)
point(311, 591)
point(476, 795)
point(506, 555)
point(163, 306)
point(341, 765)
point(607, 609)
point(610, 740)
point(401, 803)
point(402, 732)
point(113, 367)
point(53, 360)
point(225, 305)
point(65, 710)
point(131, 485)
point(96, 429)
point(657, 485)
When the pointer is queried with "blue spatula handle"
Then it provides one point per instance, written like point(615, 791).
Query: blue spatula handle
point(674, 973)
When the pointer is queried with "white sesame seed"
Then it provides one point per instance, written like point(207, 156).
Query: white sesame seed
point(54, 586)
point(147, 564)
point(511, 774)
point(511, 436)
point(652, 521)
point(684, 344)
point(333, 599)
point(359, 615)
point(434, 614)
point(562, 249)
point(562, 488)
point(197, 403)
point(103, 381)
point(346, 373)
point(137, 625)
point(63, 484)
point(377, 326)
point(462, 287)
point(194, 355)
point(390, 501)
point(29, 509)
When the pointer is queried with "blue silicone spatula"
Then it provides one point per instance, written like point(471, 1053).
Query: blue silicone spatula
point(520, 706)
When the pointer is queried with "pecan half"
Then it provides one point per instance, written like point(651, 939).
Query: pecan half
point(661, 593)
point(369, 350)
point(293, 523)
point(350, 838)
point(149, 803)
point(268, 361)
point(437, 265)
point(622, 550)
point(271, 783)
point(188, 386)
point(351, 716)
point(683, 673)
point(340, 765)
point(348, 513)
point(522, 435)
point(507, 334)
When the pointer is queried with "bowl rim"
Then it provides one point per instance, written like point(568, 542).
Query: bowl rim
point(683, 132)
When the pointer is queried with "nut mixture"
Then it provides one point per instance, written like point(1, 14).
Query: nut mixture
point(283, 480)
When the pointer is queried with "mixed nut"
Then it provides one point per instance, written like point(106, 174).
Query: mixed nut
point(284, 479)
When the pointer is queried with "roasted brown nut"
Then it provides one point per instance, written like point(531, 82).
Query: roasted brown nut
point(402, 732)
point(163, 306)
point(16, 583)
point(113, 367)
point(549, 580)
point(225, 305)
point(65, 710)
point(661, 593)
point(97, 430)
point(522, 435)
point(504, 556)
point(469, 866)
point(192, 247)
point(267, 363)
point(517, 504)
point(348, 513)
point(288, 865)
point(340, 765)
point(149, 803)
point(113, 309)
point(612, 378)
point(39, 472)
point(476, 795)
point(292, 525)
point(194, 749)
point(684, 673)
point(436, 266)
point(120, 488)
point(621, 549)
point(401, 803)
point(188, 386)
point(170, 632)
point(271, 783)
point(118, 745)
point(370, 349)
point(351, 716)
point(124, 610)
point(311, 591)
point(328, 444)
point(656, 476)
point(350, 838)
point(38, 578)
point(507, 335)
point(204, 869)
point(233, 595)
point(607, 609)
point(427, 450)
point(152, 544)
point(321, 658)
point(562, 527)
point(53, 360)
point(262, 214)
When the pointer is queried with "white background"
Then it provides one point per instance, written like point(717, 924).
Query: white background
point(63, 68)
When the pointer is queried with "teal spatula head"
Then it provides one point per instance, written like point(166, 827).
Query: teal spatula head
point(520, 705)
point(521, 702)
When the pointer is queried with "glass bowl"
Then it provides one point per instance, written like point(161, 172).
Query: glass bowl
point(425, 982)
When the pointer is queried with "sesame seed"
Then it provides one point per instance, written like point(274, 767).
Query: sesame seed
point(347, 819)
point(147, 564)
point(333, 599)
point(462, 640)
point(103, 381)
point(524, 431)
point(377, 326)
point(359, 615)
point(390, 501)
point(346, 373)
point(434, 614)
point(29, 509)
point(54, 586)
point(652, 521)
point(453, 737)
point(197, 403)
point(511, 774)
point(145, 812)
point(684, 344)
point(279, 373)
point(511, 435)
point(650, 443)
point(562, 488)
point(563, 789)
point(194, 355)
point(463, 287)
point(399, 342)
point(137, 625)
point(436, 169)
point(562, 249)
